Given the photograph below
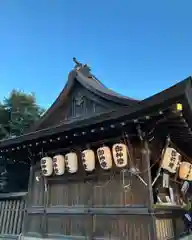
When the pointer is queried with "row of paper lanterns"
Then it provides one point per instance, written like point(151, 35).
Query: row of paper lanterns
point(172, 163)
point(69, 162)
point(58, 164)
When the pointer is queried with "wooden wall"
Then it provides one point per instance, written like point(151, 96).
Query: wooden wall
point(91, 227)
point(99, 193)
point(90, 208)
point(99, 207)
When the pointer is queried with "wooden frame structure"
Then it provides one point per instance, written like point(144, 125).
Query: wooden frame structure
point(97, 205)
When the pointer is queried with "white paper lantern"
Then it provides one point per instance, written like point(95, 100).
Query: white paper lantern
point(88, 159)
point(185, 171)
point(59, 165)
point(120, 155)
point(171, 160)
point(47, 166)
point(105, 157)
point(71, 162)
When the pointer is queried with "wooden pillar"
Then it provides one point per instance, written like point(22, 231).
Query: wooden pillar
point(45, 205)
point(146, 159)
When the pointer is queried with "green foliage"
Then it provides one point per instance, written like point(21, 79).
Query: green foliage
point(188, 206)
point(17, 112)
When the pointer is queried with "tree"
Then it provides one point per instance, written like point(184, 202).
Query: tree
point(4, 122)
point(17, 112)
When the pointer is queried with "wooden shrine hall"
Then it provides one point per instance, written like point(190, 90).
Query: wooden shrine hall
point(99, 165)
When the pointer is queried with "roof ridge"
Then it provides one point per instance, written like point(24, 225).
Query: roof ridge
point(102, 88)
point(85, 70)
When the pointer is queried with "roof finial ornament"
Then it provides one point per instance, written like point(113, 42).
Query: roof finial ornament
point(79, 65)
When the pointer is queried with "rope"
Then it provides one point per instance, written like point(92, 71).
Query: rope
point(103, 185)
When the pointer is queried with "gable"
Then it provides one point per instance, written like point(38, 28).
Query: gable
point(80, 103)
point(83, 96)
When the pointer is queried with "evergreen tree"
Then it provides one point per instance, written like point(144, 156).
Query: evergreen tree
point(4, 122)
point(17, 112)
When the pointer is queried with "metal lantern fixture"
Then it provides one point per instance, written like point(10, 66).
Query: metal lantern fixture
point(88, 159)
point(104, 157)
point(71, 162)
point(47, 166)
point(120, 155)
point(59, 165)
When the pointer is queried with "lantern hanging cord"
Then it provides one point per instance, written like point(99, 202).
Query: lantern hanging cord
point(29, 155)
point(160, 157)
point(157, 161)
point(102, 185)
point(126, 187)
point(127, 141)
point(141, 136)
point(42, 152)
point(129, 145)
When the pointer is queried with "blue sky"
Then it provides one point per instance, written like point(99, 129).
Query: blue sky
point(134, 47)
